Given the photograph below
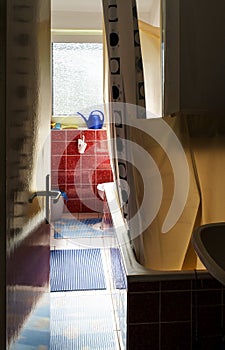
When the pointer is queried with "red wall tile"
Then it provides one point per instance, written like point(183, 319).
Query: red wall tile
point(54, 178)
point(84, 176)
point(58, 135)
point(72, 135)
point(85, 191)
point(74, 206)
point(103, 162)
point(89, 135)
point(58, 163)
point(71, 148)
point(88, 162)
point(61, 177)
point(101, 147)
point(70, 177)
point(101, 135)
point(104, 176)
point(73, 162)
point(71, 191)
point(90, 149)
point(58, 148)
point(78, 174)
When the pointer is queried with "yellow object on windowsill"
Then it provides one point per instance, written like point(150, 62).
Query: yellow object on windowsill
point(73, 126)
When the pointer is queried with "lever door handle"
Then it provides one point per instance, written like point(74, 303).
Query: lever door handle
point(47, 194)
point(52, 194)
point(56, 196)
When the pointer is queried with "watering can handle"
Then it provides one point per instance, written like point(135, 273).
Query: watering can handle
point(102, 115)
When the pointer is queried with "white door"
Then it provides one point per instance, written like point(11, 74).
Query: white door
point(25, 164)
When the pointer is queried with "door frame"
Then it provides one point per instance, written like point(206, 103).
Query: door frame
point(3, 172)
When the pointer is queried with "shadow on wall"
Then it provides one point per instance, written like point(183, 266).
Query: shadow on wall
point(202, 139)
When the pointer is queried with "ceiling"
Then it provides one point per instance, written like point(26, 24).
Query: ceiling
point(92, 5)
point(84, 15)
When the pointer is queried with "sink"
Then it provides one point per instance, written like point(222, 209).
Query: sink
point(209, 243)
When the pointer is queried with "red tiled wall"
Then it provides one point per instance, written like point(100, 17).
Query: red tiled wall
point(78, 174)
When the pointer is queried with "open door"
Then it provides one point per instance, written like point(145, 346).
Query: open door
point(25, 83)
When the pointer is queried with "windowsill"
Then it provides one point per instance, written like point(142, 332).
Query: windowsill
point(72, 120)
point(68, 121)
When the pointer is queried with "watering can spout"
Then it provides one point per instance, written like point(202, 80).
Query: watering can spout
point(85, 119)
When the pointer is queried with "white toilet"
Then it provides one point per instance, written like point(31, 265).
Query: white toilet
point(101, 191)
point(106, 218)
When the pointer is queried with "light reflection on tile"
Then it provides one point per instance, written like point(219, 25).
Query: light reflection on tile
point(35, 333)
point(80, 321)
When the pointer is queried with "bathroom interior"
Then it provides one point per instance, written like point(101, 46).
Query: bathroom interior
point(160, 153)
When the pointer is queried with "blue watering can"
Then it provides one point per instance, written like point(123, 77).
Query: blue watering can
point(95, 119)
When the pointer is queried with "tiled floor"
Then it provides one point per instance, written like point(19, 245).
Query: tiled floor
point(89, 318)
point(81, 320)
point(105, 241)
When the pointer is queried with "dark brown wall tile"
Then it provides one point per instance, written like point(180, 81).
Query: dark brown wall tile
point(206, 283)
point(175, 306)
point(143, 286)
point(143, 307)
point(143, 337)
point(176, 285)
point(207, 297)
point(176, 336)
point(185, 316)
point(207, 320)
point(208, 343)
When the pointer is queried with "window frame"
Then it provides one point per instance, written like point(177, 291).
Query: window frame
point(72, 36)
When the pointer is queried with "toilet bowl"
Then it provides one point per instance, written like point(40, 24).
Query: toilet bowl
point(106, 218)
point(101, 194)
point(101, 191)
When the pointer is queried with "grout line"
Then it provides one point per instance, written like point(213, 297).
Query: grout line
point(106, 269)
point(113, 292)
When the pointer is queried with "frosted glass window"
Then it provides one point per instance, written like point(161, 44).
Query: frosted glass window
point(77, 77)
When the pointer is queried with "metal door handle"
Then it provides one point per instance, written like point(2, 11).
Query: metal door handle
point(51, 194)
point(47, 194)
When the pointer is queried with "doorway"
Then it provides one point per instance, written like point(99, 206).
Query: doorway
point(82, 235)
point(26, 226)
